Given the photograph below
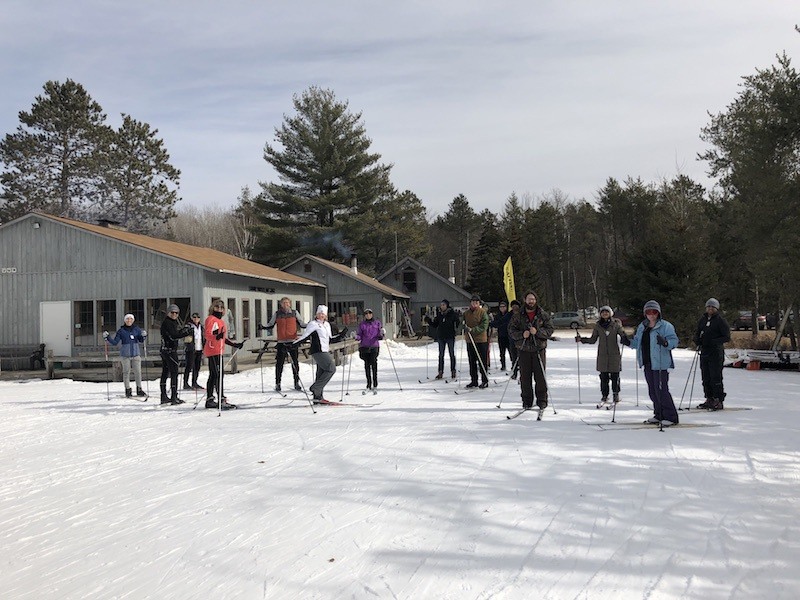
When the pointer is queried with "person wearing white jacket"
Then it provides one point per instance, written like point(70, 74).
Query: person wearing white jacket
point(321, 336)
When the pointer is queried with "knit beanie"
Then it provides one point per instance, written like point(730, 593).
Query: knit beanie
point(652, 304)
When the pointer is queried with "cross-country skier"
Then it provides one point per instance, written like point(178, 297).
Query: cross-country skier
point(445, 324)
point(654, 340)
point(129, 336)
point(609, 357)
point(476, 326)
point(172, 332)
point(369, 333)
point(319, 331)
point(194, 353)
point(530, 329)
point(216, 331)
point(710, 336)
point(289, 325)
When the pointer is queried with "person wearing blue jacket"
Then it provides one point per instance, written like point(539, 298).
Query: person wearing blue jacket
point(654, 340)
point(129, 336)
point(369, 334)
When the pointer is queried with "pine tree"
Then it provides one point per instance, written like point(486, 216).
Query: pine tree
point(327, 177)
point(140, 185)
point(393, 228)
point(486, 268)
point(53, 162)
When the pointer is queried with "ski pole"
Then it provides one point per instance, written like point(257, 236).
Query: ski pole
point(108, 385)
point(341, 396)
point(578, 349)
point(478, 354)
point(544, 376)
point(349, 370)
point(302, 385)
point(614, 411)
point(221, 365)
point(507, 382)
point(389, 350)
point(146, 376)
point(692, 369)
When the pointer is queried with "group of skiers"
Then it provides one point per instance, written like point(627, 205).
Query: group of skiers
point(208, 340)
point(523, 332)
point(525, 329)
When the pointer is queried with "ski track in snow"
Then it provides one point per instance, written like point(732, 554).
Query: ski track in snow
point(427, 495)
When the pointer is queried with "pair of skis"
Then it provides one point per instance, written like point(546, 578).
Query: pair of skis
point(539, 413)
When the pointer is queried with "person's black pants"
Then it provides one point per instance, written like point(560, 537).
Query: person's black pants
point(284, 350)
point(711, 362)
point(193, 360)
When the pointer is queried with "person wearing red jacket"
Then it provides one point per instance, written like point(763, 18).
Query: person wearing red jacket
point(215, 333)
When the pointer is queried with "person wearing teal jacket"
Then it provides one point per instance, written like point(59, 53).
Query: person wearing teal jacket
point(654, 340)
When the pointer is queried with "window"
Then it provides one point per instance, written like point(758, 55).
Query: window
point(156, 313)
point(270, 310)
point(245, 319)
point(259, 319)
point(409, 280)
point(83, 317)
point(107, 316)
point(307, 266)
point(136, 308)
point(230, 318)
point(184, 309)
point(346, 313)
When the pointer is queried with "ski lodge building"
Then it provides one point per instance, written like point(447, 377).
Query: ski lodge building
point(350, 292)
point(63, 282)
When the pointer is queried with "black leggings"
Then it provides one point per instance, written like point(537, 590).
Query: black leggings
point(214, 364)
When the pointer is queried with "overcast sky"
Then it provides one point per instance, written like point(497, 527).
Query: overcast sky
point(480, 98)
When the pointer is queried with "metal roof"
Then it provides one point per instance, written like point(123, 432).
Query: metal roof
point(206, 258)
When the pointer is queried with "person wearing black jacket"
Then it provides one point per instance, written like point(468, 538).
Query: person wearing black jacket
point(171, 335)
point(530, 328)
point(446, 324)
point(500, 324)
point(711, 334)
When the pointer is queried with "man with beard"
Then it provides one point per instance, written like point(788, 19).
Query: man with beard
point(530, 329)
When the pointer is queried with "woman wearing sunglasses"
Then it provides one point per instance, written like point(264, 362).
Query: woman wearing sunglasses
point(654, 340)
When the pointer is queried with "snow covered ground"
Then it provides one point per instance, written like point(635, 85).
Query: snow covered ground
point(428, 494)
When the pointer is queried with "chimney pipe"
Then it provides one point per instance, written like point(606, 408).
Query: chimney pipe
point(452, 270)
point(354, 263)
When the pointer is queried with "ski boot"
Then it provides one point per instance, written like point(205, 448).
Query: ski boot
point(128, 393)
point(604, 403)
point(140, 393)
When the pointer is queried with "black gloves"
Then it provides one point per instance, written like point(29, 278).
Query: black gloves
point(626, 341)
point(344, 331)
point(220, 334)
point(662, 341)
point(238, 345)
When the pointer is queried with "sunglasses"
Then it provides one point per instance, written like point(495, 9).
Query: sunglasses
point(651, 311)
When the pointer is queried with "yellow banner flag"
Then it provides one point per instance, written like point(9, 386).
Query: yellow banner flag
point(508, 280)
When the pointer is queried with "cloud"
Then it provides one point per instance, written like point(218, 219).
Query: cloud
point(462, 97)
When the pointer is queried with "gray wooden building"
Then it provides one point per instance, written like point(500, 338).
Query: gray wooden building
point(425, 287)
point(64, 282)
point(350, 292)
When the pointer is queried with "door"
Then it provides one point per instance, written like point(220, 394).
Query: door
point(55, 327)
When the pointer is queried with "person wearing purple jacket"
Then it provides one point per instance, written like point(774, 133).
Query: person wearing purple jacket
point(369, 333)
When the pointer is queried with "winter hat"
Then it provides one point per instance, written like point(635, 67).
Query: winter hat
point(651, 304)
point(502, 303)
point(125, 318)
point(475, 298)
point(608, 308)
point(515, 303)
point(446, 301)
point(322, 309)
point(713, 302)
point(368, 310)
point(173, 308)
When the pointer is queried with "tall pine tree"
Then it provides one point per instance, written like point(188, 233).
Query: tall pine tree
point(54, 160)
point(327, 177)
